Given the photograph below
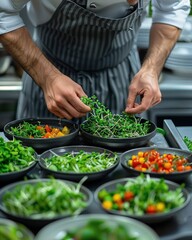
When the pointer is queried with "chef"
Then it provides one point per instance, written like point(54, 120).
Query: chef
point(84, 48)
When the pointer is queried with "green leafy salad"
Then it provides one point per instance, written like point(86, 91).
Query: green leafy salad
point(14, 156)
point(44, 199)
point(100, 230)
point(81, 162)
point(14, 232)
point(188, 142)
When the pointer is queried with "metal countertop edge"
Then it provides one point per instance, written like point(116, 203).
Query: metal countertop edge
point(173, 136)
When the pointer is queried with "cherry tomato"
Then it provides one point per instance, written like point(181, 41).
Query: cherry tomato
point(128, 195)
point(151, 209)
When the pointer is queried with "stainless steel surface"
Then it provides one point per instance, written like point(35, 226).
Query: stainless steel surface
point(185, 131)
point(173, 136)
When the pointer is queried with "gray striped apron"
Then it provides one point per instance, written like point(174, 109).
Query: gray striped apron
point(98, 53)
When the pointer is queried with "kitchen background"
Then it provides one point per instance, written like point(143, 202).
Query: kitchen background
point(175, 80)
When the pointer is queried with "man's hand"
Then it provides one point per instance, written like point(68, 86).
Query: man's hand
point(145, 85)
point(62, 96)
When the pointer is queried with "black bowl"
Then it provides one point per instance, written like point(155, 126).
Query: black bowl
point(146, 218)
point(119, 143)
point(11, 176)
point(20, 152)
point(9, 226)
point(57, 229)
point(38, 222)
point(76, 176)
point(173, 176)
point(42, 144)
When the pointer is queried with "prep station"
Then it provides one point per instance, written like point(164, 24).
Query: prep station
point(175, 228)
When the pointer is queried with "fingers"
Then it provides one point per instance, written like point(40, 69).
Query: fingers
point(74, 108)
point(147, 101)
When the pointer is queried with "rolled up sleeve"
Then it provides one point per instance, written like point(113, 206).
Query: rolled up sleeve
point(9, 15)
point(171, 12)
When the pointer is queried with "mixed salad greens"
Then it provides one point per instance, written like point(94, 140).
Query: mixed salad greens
point(100, 230)
point(142, 195)
point(103, 123)
point(188, 142)
point(14, 232)
point(30, 130)
point(44, 199)
point(14, 156)
point(81, 162)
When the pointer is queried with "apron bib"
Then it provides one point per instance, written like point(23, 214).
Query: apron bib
point(98, 53)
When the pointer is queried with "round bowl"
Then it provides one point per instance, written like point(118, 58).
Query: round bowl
point(57, 230)
point(16, 160)
point(77, 175)
point(42, 144)
point(9, 228)
point(173, 176)
point(35, 218)
point(119, 143)
point(11, 176)
point(148, 218)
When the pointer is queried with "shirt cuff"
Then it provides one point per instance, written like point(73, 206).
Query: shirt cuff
point(176, 19)
point(10, 22)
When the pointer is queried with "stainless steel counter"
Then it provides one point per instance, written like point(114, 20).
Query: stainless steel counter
point(176, 228)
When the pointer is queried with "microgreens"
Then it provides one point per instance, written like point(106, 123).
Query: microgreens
point(103, 123)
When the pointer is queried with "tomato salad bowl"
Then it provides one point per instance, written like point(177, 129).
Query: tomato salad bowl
point(147, 199)
point(169, 163)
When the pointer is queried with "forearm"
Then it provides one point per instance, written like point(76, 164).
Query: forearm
point(162, 39)
point(22, 48)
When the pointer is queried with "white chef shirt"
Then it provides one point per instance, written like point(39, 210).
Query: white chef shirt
point(173, 12)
